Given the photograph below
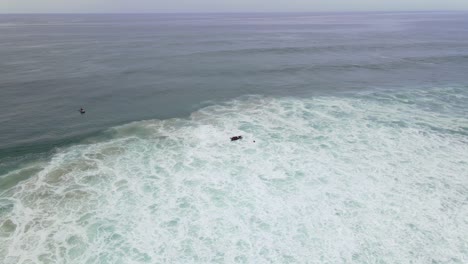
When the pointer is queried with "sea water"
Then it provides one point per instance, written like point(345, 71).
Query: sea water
point(350, 154)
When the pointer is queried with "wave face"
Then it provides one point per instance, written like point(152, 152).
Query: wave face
point(375, 178)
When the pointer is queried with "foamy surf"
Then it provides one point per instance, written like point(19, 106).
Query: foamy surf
point(378, 178)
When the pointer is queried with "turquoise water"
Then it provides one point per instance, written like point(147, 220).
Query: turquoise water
point(372, 178)
point(330, 170)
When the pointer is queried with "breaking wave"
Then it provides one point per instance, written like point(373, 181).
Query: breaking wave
point(379, 177)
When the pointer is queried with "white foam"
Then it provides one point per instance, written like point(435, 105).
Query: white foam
point(328, 180)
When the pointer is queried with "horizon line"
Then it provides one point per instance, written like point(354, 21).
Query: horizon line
point(230, 12)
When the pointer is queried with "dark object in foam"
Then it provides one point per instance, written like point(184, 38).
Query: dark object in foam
point(236, 138)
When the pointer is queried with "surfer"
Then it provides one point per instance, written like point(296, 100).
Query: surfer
point(82, 111)
point(236, 138)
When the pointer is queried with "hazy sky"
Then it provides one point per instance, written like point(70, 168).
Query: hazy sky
point(132, 6)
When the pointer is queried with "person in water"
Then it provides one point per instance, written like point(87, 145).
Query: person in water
point(82, 110)
point(236, 138)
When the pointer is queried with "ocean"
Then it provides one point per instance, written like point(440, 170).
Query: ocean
point(354, 148)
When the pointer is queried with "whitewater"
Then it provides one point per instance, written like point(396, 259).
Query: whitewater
point(374, 177)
